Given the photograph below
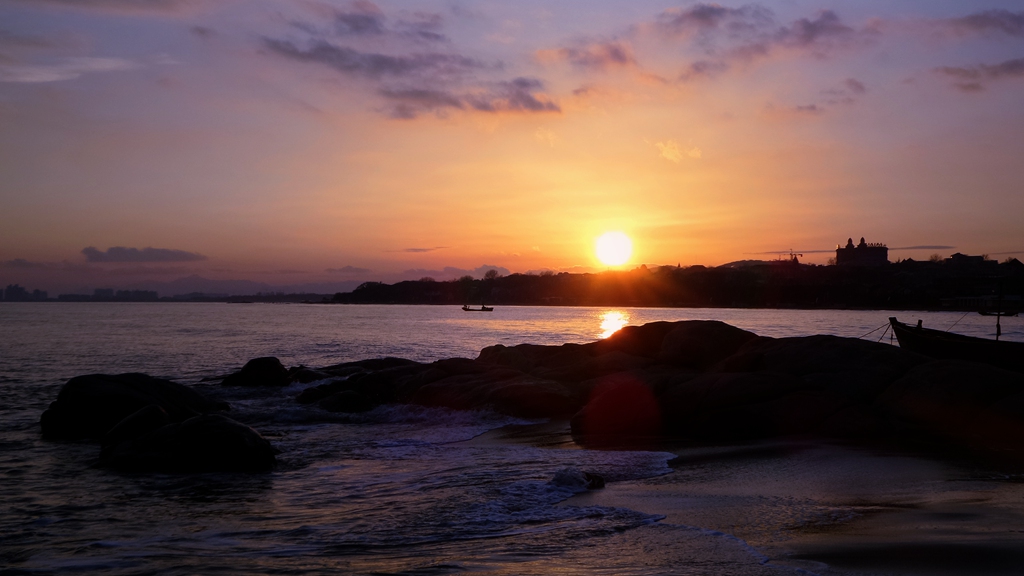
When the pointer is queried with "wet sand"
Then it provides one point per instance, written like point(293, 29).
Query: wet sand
point(835, 510)
point(828, 509)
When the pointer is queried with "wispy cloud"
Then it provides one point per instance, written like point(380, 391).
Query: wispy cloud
point(671, 150)
point(122, 254)
point(596, 56)
point(925, 247)
point(517, 95)
point(973, 78)
point(372, 64)
point(987, 22)
point(123, 6)
point(33, 58)
point(22, 264)
point(12, 41)
point(701, 19)
point(420, 250)
point(348, 270)
point(412, 66)
point(726, 37)
point(66, 69)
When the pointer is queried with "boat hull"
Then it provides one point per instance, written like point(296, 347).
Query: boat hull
point(939, 344)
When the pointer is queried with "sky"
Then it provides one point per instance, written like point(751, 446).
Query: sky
point(316, 144)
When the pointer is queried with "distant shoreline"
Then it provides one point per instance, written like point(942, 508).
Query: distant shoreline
point(256, 300)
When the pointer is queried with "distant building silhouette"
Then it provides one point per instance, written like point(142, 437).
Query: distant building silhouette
point(15, 293)
point(963, 260)
point(862, 254)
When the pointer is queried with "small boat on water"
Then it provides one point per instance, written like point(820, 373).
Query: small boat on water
point(482, 308)
point(939, 344)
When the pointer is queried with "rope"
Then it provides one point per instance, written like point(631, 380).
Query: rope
point(958, 321)
point(877, 329)
point(887, 326)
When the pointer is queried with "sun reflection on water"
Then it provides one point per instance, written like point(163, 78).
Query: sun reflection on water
point(612, 321)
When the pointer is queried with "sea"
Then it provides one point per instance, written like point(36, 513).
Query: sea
point(398, 490)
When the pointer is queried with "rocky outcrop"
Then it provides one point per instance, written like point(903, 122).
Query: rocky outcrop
point(260, 372)
point(971, 403)
point(87, 407)
point(699, 381)
point(707, 381)
point(149, 424)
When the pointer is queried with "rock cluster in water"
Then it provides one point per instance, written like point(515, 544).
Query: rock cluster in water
point(149, 424)
point(705, 381)
point(700, 381)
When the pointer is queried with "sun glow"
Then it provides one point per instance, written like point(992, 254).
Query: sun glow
point(614, 248)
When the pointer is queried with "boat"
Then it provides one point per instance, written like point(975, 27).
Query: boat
point(482, 308)
point(939, 344)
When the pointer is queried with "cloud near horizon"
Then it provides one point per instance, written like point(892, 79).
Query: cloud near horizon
point(450, 272)
point(419, 250)
point(122, 254)
point(348, 270)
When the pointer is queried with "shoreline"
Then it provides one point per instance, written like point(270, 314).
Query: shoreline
point(259, 300)
point(838, 510)
point(888, 509)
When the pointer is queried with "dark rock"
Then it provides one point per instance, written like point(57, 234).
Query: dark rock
point(746, 405)
point(565, 363)
point(701, 343)
point(589, 367)
point(348, 401)
point(345, 368)
point(317, 393)
point(594, 481)
point(577, 479)
point(820, 354)
point(967, 402)
point(207, 443)
point(526, 357)
point(144, 421)
point(643, 340)
point(622, 407)
point(855, 421)
point(89, 406)
point(704, 381)
point(683, 403)
point(464, 391)
point(304, 375)
point(391, 384)
point(530, 398)
point(258, 372)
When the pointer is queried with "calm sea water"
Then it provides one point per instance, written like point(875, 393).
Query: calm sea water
point(400, 490)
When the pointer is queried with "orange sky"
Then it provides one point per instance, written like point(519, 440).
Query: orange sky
point(320, 143)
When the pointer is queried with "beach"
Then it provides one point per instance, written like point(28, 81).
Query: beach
point(831, 509)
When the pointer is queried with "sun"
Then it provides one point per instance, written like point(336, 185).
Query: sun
point(614, 248)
